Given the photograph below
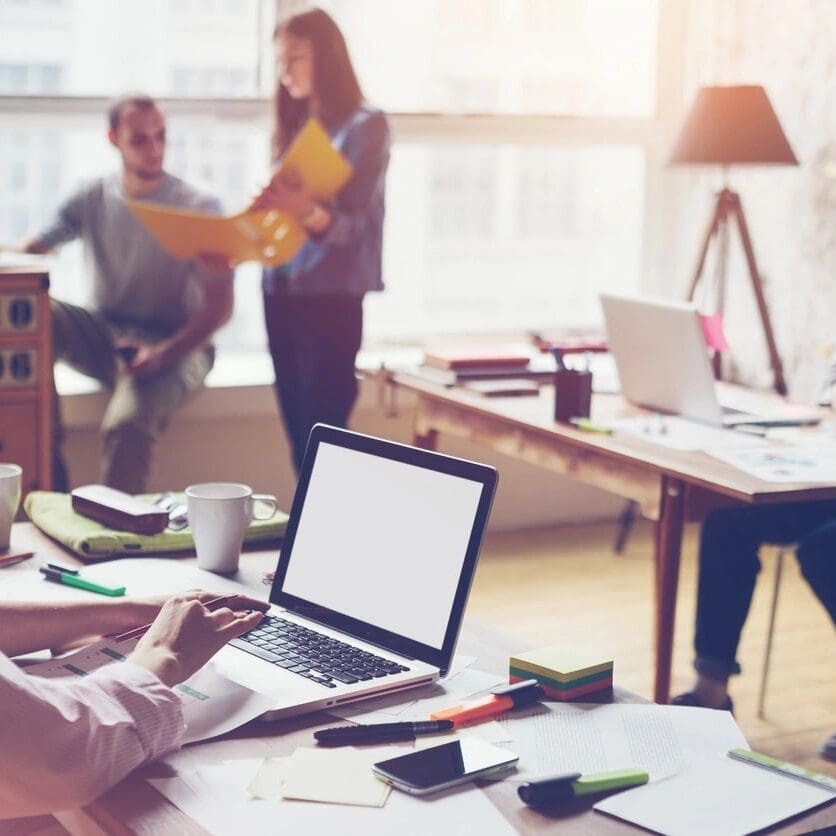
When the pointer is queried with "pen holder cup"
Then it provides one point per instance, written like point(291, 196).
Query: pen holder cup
point(572, 394)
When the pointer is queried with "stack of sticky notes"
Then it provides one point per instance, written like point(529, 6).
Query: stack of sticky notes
point(564, 673)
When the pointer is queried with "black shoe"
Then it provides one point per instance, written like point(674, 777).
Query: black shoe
point(828, 748)
point(691, 699)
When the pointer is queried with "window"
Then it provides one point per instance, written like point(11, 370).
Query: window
point(519, 176)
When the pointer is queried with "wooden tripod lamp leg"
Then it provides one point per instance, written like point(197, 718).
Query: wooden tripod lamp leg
point(757, 286)
point(710, 231)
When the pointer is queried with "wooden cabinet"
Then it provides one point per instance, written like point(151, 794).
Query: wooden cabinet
point(26, 374)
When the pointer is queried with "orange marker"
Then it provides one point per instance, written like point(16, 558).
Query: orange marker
point(500, 699)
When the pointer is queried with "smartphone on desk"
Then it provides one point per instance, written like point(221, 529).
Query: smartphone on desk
point(431, 770)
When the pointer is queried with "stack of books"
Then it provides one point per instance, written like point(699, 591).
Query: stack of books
point(451, 366)
point(564, 674)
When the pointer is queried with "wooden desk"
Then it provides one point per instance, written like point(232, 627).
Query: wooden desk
point(667, 484)
point(135, 807)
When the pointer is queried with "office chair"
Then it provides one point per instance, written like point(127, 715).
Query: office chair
point(767, 657)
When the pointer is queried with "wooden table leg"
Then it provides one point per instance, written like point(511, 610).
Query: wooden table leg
point(668, 547)
point(423, 436)
point(427, 440)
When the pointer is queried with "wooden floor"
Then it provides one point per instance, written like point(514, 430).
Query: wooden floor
point(566, 585)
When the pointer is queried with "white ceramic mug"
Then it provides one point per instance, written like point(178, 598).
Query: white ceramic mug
point(10, 481)
point(219, 513)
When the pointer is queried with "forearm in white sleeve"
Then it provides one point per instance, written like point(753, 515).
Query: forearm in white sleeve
point(63, 742)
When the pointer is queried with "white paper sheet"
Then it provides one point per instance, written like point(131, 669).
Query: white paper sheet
point(140, 576)
point(716, 795)
point(212, 704)
point(215, 799)
point(798, 462)
point(586, 738)
point(680, 434)
point(490, 732)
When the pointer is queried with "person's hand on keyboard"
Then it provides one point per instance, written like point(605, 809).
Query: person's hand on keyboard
point(186, 634)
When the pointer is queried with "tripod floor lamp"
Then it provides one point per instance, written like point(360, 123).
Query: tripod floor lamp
point(733, 126)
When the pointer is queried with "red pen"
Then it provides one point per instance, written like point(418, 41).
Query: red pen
point(11, 559)
point(138, 631)
point(500, 699)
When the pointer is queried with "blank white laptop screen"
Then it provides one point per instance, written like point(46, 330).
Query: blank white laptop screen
point(397, 538)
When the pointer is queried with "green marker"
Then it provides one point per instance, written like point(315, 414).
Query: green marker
point(81, 583)
point(557, 788)
point(587, 426)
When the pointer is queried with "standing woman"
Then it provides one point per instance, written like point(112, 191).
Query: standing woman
point(313, 306)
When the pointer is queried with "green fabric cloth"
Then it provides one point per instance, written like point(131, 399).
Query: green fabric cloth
point(54, 515)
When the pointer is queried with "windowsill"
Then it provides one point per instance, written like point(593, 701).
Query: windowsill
point(240, 385)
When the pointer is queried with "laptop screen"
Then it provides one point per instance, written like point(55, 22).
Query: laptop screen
point(385, 536)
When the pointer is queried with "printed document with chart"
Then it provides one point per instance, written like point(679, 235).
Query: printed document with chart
point(269, 237)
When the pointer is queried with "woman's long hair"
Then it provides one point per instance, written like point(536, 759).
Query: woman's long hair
point(337, 90)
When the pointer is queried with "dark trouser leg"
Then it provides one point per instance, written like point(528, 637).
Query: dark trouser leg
point(314, 342)
point(278, 319)
point(83, 340)
point(729, 565)
point(137, 415)
point(817, 555)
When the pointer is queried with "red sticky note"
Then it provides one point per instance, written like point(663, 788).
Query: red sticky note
point(712, 331)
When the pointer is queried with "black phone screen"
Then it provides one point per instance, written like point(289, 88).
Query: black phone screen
point(444, 764)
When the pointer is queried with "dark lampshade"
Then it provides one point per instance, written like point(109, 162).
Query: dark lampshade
point(731, 125)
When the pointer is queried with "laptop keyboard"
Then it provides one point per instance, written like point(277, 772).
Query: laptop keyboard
point(313, 655)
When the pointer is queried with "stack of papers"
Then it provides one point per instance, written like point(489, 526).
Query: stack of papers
point(576, 737)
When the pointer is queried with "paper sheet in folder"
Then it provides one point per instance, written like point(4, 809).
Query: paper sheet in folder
point(269, 237)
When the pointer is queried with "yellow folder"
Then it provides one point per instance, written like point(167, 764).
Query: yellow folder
point(267, 236)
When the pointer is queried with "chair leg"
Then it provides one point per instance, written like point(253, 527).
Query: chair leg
point(626, 520)
point(779, 567)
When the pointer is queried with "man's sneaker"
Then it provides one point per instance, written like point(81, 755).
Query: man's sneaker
point(828, 749)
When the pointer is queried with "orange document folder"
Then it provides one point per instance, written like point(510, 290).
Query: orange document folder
point(267, 236)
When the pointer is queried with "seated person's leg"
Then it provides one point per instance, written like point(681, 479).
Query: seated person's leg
point(729, 563)
point(816, 554)
point(83, 340)
point(138, 414)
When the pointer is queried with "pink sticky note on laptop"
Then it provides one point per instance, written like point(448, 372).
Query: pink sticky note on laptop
point(712, 331)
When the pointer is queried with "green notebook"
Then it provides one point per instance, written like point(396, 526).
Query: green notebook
point(54, 515)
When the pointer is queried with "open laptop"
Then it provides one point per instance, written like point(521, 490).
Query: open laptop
point(373, 576)
point(663, 364)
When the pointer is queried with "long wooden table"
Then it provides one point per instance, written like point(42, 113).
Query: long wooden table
point(668, 485)
point(135, 807)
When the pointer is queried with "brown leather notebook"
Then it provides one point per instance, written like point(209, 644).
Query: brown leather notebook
point(118, 510)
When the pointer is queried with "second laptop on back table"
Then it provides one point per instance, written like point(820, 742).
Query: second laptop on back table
point(663, 365)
